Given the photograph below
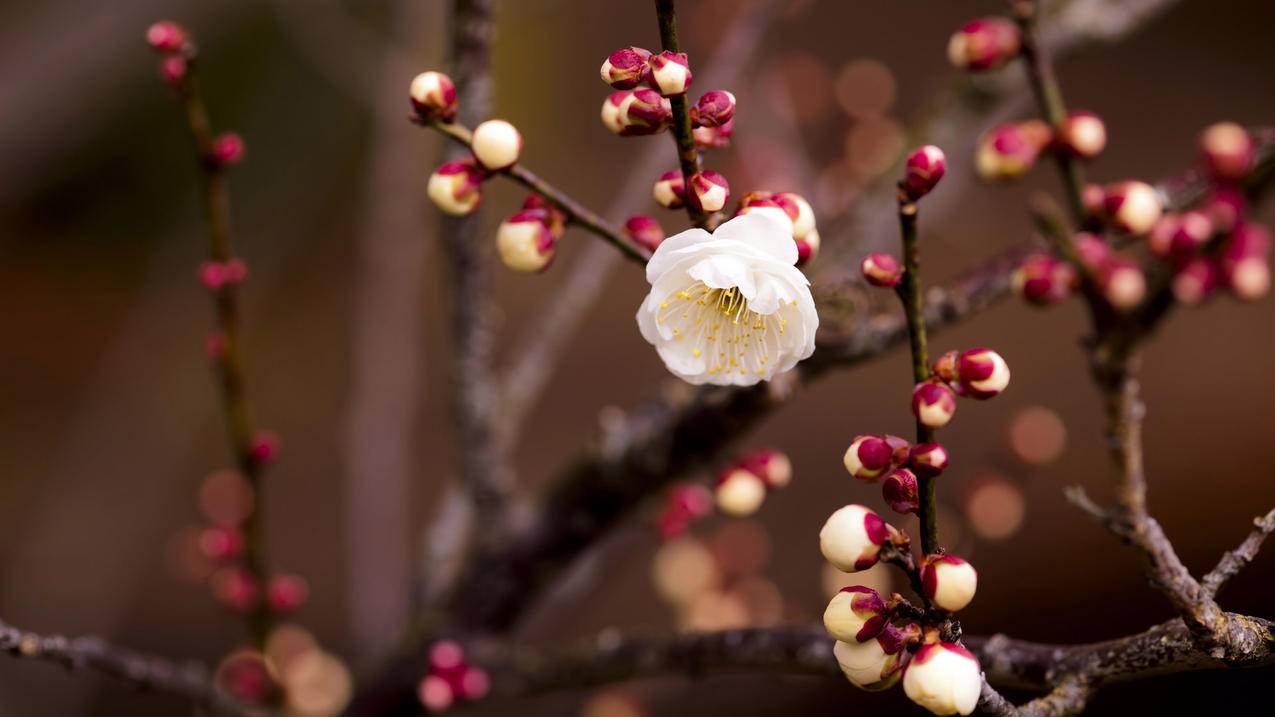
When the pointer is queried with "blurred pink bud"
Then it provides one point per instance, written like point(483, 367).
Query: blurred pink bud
point(981, 373)
point(1195, 280)
point(1132, 207)
point(167, 36)
point(456, 187)
point(446, 656)
point(933, 404)
point(644, 231)
point(923, 170)
point(235, 588)
point(1092, 249)
point(227, 150)
point(984, 44)
point(173, 70)
point(669, 190)
point(949, 581)
point(215, 345)
point(899, 489)
point(1082, 134)
point(1228, 150)
point(670, 73)
point(713, 109)
point(473, 683)
point(868, 457)
point(1122, 283)
point(246, 678)
point(286, 593)
point(212, 275)
point(1179, 237)
point(1225, 207)
point(691, 499)
point(1094, 198)
point(433, 96)
point(435, 693)
point(855, 614)
point(739, 492)
point(928, 460)
point(264, 448)
point(1006, 152)
point(1043, 279)
point(525, 242)
point(220, 543)
point(708, 191)
point(882, 270)
point(626, 68)
point(496, 144)
point(771, 465)
point(1246, 261)
point(713, 137)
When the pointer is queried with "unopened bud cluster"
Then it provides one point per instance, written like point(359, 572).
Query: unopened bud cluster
point(741, 487)
point(897, 464)
point(793, 211)
point(173, 44)
point(450, 678)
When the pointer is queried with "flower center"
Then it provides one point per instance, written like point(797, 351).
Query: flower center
point(719, 326)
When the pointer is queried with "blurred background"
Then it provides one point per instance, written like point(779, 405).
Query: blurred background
point(109, 419)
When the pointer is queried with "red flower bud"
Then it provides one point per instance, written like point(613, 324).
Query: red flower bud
point(900, 450)
point(626, 68)
point(945, 367)
point(713, 109)
point(1043, 279)
point(713, 137)
point(456, 187)
point(1007, 151)
point(949, 581)
point(173, 70)
point(1094, 197)
point(220, 543)
point(1225, 207)
point(525, 242)
point(981, 373)
point(167, 36)
point(807, 248)
point(899, 489)
point(286, 593)
point(1132, 207)
point(855, 614)
point(435, 693)
point(1245, 261)
point(1195, 280)
point(1092, 249)
point(670, 190)
point(772, 466)
point(433, 96)
point(984, 44)
point(670, 73)
point(644, 231)
point(227, 150)
point(928, 460)
point(1228, 151)
point(882, 270)
point(636, 112)
point(1082, 134)
point(933, 404)
point(868, 457)
point(709, 191)
point(264, 448)
point(923, 170)
point(799, 211)
point(554, 218)
point(235, 588)
point(1122, 283)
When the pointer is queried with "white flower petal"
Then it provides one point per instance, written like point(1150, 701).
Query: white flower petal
point(660, 261)
point(763, 231)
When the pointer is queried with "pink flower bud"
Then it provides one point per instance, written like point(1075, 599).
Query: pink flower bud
point(1006, 152)
point(227, 150)
point(713, 109)
point(235, 588)
point(900, 450)
point(1083, 134)
point(799, 211)
point(525, 242)
point(446, 656)
point(669, 190)
point(984, 44)
point(1225, 207)
point(433, 96)
point(900, 491)
point(933, 404)
point(1195, 280)
point(471, 683)
point(807, 248)
point(945, 367)
point(1132, 207)
point(1122, 283)
point(1092, 249)
point(496, 145)
point(167, 36)
point(981, 373)
point(1228, 150)
point(286, 593)
point(739, 492)
point(855, 614)
point(923, 170)
point(263, 448)
point(772, 466)
point(456, 187)
point(644, 231)
point(713, 137)
point(173, 70)
point(435, 693)
point(212, 275)
point(882, 270)
point(928, 460)
point(636, 112)
point(626, 68)
point(692, 499)
point(852, 537)
point(1043, 280)
point(709, 191)
point(949, 581)
point(873, 665)
point(1094, 198)
point(944, 678)
point(554, 218)
point(670, 73)
point(220, 543)
point(868, 457)
point(234, 271)
point(1245, 261)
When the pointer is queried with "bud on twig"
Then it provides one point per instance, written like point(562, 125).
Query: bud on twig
point(173, 70)
point(227, 150)
point(644, 231)
point(772, 466)
point(525, 242)
point(882, 270)
point(875, 664)
point(739, 492)
point(1008, 151)
point(852, 537)
point(1132, 207)
point(1246, 261)
point(496, 145)
point(807, 248)
point(1228, 151)
point(669, 190)
point(1043, 279)
point(713, 137)
point(933, 404)
point(944, 678)
point(433, 96)
point(900, 491)
point(868, 457)
point(286, 593)
point(855, 614)
point(626, 68)
point(709, 191)
point(167, 36)
point(1195, 280)
point(456, 187)
point(713, 109)
point(923, 170)
point(1122, 283)
point(981, 373)
point(949, 581)
point(928, 460)
point(1082, 134)
point(984, 44)
point(670, 73)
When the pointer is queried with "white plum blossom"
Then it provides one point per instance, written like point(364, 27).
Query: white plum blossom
point(729, 307)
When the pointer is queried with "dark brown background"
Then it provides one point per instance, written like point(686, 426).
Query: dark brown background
point(108, 418)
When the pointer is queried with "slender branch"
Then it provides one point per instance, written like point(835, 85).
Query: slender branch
point(994, 703)
point(687, 157)
point(216, 199)
point(1233, 561)
point(142, 671)
point(575, 212)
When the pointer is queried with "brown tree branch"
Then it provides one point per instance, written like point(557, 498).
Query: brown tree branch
point(189, 679)
point(1233, 561)
point(687, 157)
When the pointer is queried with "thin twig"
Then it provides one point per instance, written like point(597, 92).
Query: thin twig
point(994, 703)
point(687, 157)
point(1233, 561)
